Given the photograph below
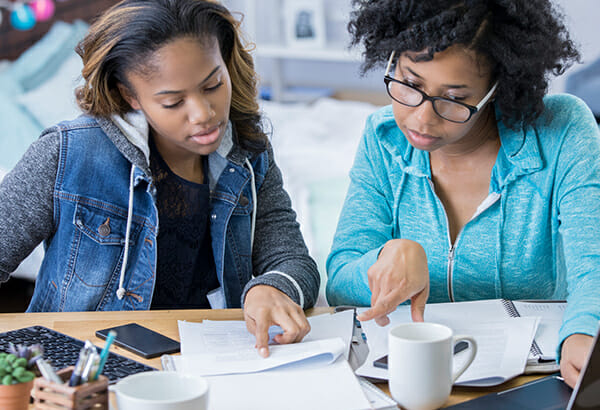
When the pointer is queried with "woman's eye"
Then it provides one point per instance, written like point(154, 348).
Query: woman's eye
point(168, 106)
point(411, 83)
point(455, 98)
point(215, 87)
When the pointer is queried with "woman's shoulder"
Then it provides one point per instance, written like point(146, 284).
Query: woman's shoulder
point(381, 119)
point(567, 128)
point(565, 110)
point(55, 131)
point(82, 121)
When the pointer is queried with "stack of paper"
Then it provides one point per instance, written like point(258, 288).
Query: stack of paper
point(310, 374)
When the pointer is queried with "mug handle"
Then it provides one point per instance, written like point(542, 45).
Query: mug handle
point(473, 352)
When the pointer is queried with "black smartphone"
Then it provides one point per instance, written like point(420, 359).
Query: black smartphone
point(382, 362)
point(141, 340)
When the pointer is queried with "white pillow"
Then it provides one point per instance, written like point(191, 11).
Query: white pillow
point(54, 100)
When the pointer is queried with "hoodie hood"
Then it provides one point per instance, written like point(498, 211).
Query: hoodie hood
point(134, 127)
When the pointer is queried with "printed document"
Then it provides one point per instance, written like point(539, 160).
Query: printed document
point(311, 374)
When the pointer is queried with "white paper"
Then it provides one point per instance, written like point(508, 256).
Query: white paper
point(551, 314)
point(218, 336)
point(503, 344)
point(307, 386)
point(248, 361)
point(310, 383)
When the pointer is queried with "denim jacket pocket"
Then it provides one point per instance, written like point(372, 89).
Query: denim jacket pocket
point(96, 254)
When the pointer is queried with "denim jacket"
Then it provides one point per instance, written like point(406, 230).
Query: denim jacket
point(101, 250)
point(536, 235)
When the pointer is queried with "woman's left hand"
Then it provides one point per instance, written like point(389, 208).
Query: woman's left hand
point(574, 351)
point(265, 306)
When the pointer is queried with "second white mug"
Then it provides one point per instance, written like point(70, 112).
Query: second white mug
point(420, 364)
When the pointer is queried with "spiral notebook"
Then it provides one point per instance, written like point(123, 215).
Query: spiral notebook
point(542, 356)
point(505, 332)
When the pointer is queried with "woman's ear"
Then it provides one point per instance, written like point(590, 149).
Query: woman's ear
point(129, 97)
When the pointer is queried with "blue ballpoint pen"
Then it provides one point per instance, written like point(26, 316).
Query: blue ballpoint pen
point(104, 354)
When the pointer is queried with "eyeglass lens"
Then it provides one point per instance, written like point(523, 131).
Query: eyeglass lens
point(444, 108)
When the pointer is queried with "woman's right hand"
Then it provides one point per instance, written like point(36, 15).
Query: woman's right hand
point(399, 274)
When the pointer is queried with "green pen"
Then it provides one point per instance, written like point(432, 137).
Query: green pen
point(104, 354)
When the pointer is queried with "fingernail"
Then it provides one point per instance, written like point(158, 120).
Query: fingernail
point(263, 352)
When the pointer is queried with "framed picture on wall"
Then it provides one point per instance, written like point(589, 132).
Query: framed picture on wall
point(304, 22)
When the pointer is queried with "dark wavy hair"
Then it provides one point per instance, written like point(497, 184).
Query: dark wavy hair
point(125, 37)
point(522, 40)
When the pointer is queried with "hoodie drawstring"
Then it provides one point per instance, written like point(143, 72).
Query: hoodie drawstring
point(254, 202)
point(121, 290)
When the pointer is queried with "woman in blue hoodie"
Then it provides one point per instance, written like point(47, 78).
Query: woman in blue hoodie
point(165, 194)
point(473, 184)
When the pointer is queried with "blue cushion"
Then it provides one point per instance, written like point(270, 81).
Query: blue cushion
point(40, 61)
point(19, 130)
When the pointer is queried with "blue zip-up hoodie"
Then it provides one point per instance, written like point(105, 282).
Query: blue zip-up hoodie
point(536, 235)
point(85, 188)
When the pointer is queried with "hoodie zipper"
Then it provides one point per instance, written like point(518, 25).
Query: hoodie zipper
point(452, 246)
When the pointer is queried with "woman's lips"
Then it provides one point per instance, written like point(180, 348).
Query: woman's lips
point(421, 140)
point(208, 136)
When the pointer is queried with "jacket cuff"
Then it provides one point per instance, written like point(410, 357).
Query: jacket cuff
point(585, 324)
point(280, 281)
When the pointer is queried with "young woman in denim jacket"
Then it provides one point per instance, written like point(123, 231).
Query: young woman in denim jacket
point(165, 194)
point(472, 184)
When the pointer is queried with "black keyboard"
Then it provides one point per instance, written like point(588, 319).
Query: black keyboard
point(63, 351)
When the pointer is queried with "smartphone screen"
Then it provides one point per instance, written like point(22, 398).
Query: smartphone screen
point(141, 340)
point(382, 362)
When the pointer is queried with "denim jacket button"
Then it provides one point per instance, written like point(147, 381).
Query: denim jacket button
point(104, 229)
point(243, 200)
point(232, 170)
point(213, 216)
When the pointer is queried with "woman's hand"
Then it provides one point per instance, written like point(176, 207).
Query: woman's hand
point(574, 351)
point(265, 306)
point(400, 273)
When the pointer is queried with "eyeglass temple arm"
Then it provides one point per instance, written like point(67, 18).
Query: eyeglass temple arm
point(389, 64)
point(487, 96)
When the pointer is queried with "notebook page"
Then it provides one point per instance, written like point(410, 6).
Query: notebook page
point(551, 315)
point(503, 342)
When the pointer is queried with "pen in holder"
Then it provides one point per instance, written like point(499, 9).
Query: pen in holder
point(92, 395)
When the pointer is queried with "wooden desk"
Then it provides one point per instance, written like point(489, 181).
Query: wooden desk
point(83, 325)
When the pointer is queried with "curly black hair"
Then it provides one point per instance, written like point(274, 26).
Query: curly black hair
point(522, 40)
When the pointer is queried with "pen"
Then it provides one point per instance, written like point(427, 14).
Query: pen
point(90, 366)
point(48, 372)
point(80, 365)
point(104, 354)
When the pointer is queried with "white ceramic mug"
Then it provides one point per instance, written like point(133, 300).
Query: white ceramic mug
point(420, 364)
point(161, 390)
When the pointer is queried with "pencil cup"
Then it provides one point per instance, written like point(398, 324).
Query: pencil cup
point(92, 395)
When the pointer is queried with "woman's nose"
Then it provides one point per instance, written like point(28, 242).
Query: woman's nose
point(425, 112)
point(200, 111)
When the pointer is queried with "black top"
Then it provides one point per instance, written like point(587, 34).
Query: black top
point(185, 270)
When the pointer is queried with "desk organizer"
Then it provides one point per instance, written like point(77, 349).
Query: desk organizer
point(48, 395)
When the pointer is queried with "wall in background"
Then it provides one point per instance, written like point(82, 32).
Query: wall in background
point(582, 18)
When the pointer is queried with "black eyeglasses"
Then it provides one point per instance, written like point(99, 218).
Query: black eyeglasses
point(450, 110)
